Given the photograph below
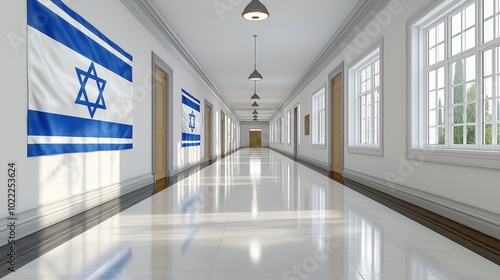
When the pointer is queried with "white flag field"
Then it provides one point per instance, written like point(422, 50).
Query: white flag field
point(191, 121)
point(79, 84)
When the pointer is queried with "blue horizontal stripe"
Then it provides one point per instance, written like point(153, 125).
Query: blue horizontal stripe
point(50, 24)
point(90, 27)
point(190, 144)
point(48, 124)
point(35, 150)
point(186, 101)
point(190, 137)
point(192, 97)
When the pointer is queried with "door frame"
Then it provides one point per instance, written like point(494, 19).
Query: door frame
point(334, 73)
point(208, 104)
point(158, 62)
point(222, 123)
point(296, 129)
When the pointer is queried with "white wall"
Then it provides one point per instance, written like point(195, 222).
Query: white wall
point(52, 188)
point(245, 133)
point(466, 194)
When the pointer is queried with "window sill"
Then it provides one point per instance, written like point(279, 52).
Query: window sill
point(475, 158)
point(365, 150)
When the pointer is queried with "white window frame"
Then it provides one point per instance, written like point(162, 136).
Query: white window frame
point(318, 119)
point(289, 126)
point(283, 125)
point(355, 144)
point(477, 155)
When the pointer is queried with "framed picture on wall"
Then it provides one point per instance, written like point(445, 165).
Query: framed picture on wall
point(306, 125)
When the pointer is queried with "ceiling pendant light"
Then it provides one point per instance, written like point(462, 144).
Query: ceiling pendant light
point(255, 76)
point(255, 11)
point(255, 96)
point(255, 112)
point(255, 104)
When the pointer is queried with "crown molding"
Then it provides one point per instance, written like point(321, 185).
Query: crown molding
point(151, 17)
point(360, 16)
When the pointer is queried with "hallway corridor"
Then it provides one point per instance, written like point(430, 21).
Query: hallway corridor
point(256, 214)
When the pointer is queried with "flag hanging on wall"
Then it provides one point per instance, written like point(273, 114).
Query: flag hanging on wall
point(190, 120)
point(79, 84)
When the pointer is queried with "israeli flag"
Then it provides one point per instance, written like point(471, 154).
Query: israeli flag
point(191, 121)
point(79, 84)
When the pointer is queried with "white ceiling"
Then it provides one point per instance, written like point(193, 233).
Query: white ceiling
point(288, 42)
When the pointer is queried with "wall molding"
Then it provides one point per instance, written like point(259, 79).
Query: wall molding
point(359, 17)
point(481, 220)
point(35, 219)
point(151, 17)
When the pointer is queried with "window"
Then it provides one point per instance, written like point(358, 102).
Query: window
point(455, 92)
point(365, 92)
point(283, 130)
point(318, 122)
point(289, 132)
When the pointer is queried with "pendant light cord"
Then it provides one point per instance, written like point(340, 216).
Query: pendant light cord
point(255, 62)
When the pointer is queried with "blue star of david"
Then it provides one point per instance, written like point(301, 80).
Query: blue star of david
point(192, 121)
point(82, 97)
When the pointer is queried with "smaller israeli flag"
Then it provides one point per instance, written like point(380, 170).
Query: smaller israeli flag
point(190, 120)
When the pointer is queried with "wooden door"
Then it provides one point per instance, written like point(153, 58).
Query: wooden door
point(208, 132)
point(160, 129)
point(255, 139)
point(337, 126)
point(222, 134)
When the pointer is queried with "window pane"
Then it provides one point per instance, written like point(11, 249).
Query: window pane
point(456, 45)
point(458, 72)
point(440, 116)
point(470, 16)
point(440, 32)
point(488, 87)
point(432, 136)
point(432, 56)
point(471, 113)
point(458, 135)
point(441, 136)
point(488, 134)
point(432, 118)
point(432, 100)
point(471, 92)
point(488, 8)
point(488, 111)
point(456, 24)
point(432, 80)
point(458, 94)
point(440, 78)
point(471, 134)
point(498, 110)
point(488, 62)
point(488, 31)
point(440, 100)
point(432, 37)
point(470, 38)
point(498, 134)
point(470, 68)
point(458, 114)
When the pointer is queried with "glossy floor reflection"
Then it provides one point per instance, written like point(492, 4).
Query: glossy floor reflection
point(258, 215)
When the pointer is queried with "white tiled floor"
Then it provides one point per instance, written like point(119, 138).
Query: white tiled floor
point(258, 215)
